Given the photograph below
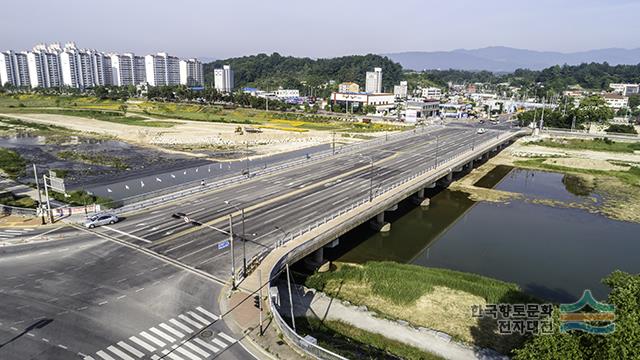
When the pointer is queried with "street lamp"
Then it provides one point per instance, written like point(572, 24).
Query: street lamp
point(193, 222)
point(244, 239)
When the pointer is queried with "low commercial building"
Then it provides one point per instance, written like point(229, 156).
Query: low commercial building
point(625, 89)
point(423, 108)
point(383, 102)
point(432, 93)
point(287, 93)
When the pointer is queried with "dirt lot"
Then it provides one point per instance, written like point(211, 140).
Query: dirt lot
point(192, 134)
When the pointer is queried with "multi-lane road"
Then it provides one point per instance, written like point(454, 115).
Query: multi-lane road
point(102, 294)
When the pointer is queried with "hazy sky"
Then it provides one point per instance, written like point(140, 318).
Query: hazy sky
point(325, 28)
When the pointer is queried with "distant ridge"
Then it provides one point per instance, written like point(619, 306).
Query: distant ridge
point(506, 59)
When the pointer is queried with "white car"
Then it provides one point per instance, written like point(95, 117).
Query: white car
point(101, 219)
point(482, 131)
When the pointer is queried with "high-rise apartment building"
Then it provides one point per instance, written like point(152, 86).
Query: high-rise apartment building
point(162, 69)
point(191, 72)
point(14, 69)
point(121, 69)
point(101, 68)
point(373, 84)
point(223, 79)
point(44, 66)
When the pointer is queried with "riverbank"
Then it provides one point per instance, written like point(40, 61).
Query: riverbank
point(437, 299)
point(614, 175)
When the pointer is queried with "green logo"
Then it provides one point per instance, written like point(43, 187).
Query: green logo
point(573, 319)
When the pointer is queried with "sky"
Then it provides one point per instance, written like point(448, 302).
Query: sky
point(215, 29)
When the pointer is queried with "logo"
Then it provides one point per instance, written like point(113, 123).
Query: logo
point(573, 319)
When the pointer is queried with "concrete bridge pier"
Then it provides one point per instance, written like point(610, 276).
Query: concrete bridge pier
point(471, 165)
point(379, 224)
point(485, 156)
point(450, 177)
point(421, 200)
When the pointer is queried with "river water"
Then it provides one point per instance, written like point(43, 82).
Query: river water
point(553, 253)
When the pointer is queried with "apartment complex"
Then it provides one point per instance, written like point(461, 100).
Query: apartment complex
point(55, 66)
point(223, 79)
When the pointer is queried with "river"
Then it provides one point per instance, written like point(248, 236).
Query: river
point(553, 253)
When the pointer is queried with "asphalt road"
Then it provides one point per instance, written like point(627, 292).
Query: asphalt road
point(279, 205)
point(90, 298)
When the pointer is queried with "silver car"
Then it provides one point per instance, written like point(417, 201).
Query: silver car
point(100, 219)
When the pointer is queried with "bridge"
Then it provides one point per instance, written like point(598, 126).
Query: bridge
point(347, 189)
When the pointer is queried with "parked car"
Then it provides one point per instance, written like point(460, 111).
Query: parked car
point(100, 219)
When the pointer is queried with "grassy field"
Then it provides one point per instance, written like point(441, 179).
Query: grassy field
point(110, 116)
point(18, 201)
point(44, 101)
point(355, 343)
point(434, 298)
point(12, 163)
point(594, 145)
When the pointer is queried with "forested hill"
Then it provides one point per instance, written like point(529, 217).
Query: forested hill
point(270, 71)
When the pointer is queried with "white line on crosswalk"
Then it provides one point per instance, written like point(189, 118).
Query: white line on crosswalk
point(88, 358)
point(143, 344)
point(172, 355)
point(206, 345)
point(155, 357)
point(104, 355)
point(163, 335)
point(199, 318)
point(214, 317)
point(181, 325)
point(226, 337)
point(189, 321)
point(197, 349)
point(130, 349)
point(119, 352)
point(172, 330)
point(188, 354)
point(153, 339)
point(219, 343)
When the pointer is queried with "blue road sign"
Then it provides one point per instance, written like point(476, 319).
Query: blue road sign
point(223, 244)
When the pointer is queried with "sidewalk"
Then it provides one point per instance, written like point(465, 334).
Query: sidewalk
point(309, 303)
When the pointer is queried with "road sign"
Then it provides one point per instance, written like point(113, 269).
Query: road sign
point(56, 183)
point(223, 244)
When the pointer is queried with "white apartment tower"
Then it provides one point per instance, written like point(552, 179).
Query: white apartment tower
point(121, 69)
point(223, 79)
point(44, 66)
point(14, 69)
point(101, 68)
point(373, 84)
point(191, 72)
point(162, 69)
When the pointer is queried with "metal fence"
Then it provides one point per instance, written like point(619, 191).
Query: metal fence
point(292, 337)
point(12, 210)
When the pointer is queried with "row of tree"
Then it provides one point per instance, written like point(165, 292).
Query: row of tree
point(567, 115)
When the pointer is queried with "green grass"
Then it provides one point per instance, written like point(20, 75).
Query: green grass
point(355, 343)
point(10, 101)
point(40, 129)
point(110, 116)
point(12, 163)
point(594, 145)
point(18, 201)
point(631, 176)
point(96, 159)
point(201, 116)
point(405, 283)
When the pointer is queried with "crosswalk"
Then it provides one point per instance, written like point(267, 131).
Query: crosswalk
point(11, 233)
point(169, 340)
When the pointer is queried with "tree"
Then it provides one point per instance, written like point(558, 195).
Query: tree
point(594, 109)
point(624, 343)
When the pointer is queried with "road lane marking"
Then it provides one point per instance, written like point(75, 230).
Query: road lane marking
point(206, 345)
point(162, 335)
point(102, 303)
point(181, 326)
point(199, 318)
point(153, 339)
point(143, 344)
point(189, 321)
point(214, 317)
point(172, 330)
point(119, 352)
point(226, 337)
point(130, 349)
point(139, 289)
point(120, 297)
point(104, 355)
point(62, 347)
point(126, 234)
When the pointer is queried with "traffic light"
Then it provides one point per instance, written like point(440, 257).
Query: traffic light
point(256, 301)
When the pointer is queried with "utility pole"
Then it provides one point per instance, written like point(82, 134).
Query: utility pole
point(248, 173)
point(260, 299)
point(244, 247)
point(233, 261)
point(35, 176)
point(293, 319)
point(46, 193)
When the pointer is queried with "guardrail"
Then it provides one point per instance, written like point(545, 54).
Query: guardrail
point(192, 187)
point(291, 336)
point(12, 210)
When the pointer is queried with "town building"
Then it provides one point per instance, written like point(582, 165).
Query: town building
point(382, 102)
point(348, 87)
point(625, 89)
point(223, 79)
point(401, 91)
point(287, 93)
point(616, 101)
point(432, 93)
point(191, 72)
point(373, 81)
point(162, 69)
point(423, 108)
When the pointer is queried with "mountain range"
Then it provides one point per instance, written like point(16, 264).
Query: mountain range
point(506, 59)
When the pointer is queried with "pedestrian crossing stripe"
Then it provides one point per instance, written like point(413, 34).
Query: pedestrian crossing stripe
point(163, 339)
